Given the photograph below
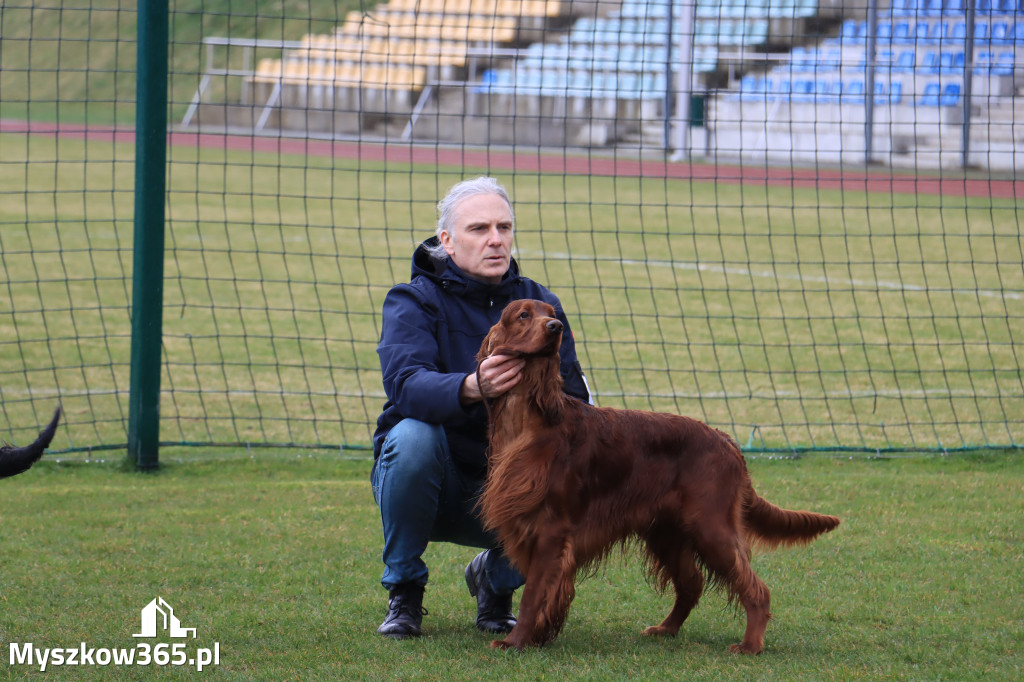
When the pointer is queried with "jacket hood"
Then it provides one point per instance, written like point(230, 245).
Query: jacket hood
point(448, 275)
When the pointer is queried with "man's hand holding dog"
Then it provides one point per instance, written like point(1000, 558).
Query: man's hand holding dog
point(496, 375)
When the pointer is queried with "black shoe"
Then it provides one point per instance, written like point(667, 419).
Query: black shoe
point(493, 611)
point(405, 612)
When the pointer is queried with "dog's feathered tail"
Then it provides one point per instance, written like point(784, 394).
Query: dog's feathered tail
point(14, 460)
point(769, 526)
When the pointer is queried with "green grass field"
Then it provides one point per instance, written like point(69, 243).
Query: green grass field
point(797, 319)
point(276, 558)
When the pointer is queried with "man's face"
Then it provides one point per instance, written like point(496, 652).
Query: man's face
point(481, 241)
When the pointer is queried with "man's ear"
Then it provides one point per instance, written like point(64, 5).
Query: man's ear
point(447, 242)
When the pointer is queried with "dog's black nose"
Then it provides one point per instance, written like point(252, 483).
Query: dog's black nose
point(554, 326)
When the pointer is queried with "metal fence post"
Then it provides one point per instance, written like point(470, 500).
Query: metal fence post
point(870, 71)
point(148, 249)
point(968, 89)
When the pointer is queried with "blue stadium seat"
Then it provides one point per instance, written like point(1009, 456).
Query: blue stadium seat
point(753, 32)
point(649, 9)
point(1004, 64)
point(951, 60)
point(802, 59)
point(708, 9)
point(705, 60)
point(630, 87)
point(742, 9)
point(901, 32)
point(895, 92)
point(950, 95)
point(999, 7)
point(853, 31)
point(937, 95)
point(803, 90)
point(989, 63)
point(748, 83)
point(852, 91)
point(887, 92)
point(754, 87)
point(981, 32)
point(528, 81)
point(805, 8)
point(930, 97)
point(905, 61)
point(930, 31)
point(498, 81)
point(1002, 33)
point(653, 54)
point(904, 8)
point(830, 59)
point(706, 32)
point(603, 85)
point(944, 61)
point(579, 84)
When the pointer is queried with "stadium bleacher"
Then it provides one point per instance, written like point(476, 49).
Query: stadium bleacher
point(613, 69)
point(920, 57)
point(380, 60)
point(810, 103)
point(624, 55)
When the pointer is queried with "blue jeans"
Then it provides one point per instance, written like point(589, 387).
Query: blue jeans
point(423, 497)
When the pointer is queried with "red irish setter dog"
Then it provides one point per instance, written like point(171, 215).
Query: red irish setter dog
point(569, 481)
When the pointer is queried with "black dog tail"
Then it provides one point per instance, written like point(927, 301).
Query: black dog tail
point(14, 461)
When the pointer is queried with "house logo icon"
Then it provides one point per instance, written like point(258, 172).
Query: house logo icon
point(158, 615)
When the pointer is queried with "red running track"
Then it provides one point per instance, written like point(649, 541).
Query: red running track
point(545, 161)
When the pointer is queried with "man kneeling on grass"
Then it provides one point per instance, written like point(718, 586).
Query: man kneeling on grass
point(430, 448)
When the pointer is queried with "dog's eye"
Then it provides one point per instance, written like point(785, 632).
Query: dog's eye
point(525, 315)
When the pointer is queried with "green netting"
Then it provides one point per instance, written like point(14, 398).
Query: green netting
point(744, 266)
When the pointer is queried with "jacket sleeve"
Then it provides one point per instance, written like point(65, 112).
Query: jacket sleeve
point(410, 359)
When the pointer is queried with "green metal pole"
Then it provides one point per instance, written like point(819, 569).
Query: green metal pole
point(148, 250)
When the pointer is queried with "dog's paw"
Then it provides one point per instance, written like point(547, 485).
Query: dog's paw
point(658, 631)
point(744, 648)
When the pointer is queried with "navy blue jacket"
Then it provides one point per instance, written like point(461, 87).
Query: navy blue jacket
point(431, 331)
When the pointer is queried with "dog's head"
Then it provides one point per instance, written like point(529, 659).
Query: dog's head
point(526, 327)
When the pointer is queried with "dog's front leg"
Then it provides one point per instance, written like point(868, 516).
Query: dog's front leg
point(549, 590)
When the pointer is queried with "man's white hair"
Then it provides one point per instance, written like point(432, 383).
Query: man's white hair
point(457, 194)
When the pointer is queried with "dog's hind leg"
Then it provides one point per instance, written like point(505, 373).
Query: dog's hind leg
point(727, 558)
point(668, 562)
point(756, 600)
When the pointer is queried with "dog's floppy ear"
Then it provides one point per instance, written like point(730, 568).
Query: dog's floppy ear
point(489, 343)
